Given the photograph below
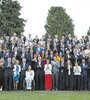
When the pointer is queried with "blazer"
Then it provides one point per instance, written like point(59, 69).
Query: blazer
point(84, 69)
point(55, 68)
point(39, 68)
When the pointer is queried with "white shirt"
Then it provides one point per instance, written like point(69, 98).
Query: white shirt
point(29, 75)
point(48, 69)
point(77, 71)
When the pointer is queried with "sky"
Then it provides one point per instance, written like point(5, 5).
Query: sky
point(36, 11)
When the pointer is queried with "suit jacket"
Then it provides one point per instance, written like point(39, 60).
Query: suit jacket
point(26, 66)
point(40, 68)
point(62, 67)
point(84, 69)
point(66, 57)
point(8, 69)
point(6, 57)
point(55, 68)
point(10, 48)
point(23, 70)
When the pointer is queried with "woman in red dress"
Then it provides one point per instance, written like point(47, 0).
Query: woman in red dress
point(48, 76)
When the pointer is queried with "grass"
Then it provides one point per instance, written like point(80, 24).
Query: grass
point(44, 95)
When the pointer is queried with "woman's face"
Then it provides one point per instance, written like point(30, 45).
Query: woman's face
point(29, 67)
point(76, 64)
point(68, 61)
point(47, 61)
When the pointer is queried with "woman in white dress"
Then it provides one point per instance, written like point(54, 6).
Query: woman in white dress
point(29, 78)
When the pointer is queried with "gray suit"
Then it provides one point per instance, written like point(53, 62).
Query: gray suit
point(55, 74)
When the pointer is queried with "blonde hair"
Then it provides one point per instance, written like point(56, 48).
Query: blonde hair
point(17, 62)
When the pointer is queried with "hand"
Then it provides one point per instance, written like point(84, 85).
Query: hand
point(24, 68)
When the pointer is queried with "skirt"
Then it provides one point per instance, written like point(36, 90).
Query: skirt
point(48, 81)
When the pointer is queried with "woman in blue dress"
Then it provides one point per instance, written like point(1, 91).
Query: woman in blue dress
point(16, 74)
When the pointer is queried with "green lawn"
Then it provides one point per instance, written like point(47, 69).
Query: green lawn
point(44, 95)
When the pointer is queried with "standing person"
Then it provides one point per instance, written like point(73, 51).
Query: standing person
point(69, 75)
point(88, 72)
point(39, 74)
point(16, 74)
point(62, 74)
point(29, 78)
point(77, 76)
point(24, 67)
point(84, 67)
point(55, 74)
point(48, 75)
point(1, 74)
point(8, 74)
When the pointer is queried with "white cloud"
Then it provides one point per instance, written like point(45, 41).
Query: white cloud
point(35, 11)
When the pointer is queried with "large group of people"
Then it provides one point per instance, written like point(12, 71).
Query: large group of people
point(46, 63)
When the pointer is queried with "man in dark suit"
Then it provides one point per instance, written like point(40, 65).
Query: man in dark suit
point(30, 57)
point(84, 67)
point(6, 55)
point(24, 67)
point(22, 55)
point(62, 74)
point(75, 58)
point(67, 56)
point(39, 74)
point(12, 46)
point(8, 74)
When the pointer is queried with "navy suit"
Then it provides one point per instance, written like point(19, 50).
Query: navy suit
point(6, 57)
point(23, 74)
point(29, 59)
point(84, 76)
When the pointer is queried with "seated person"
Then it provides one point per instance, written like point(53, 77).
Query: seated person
point(29, 78)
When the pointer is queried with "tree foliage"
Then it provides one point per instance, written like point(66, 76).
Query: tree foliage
point(58, 22)
point(10, 20)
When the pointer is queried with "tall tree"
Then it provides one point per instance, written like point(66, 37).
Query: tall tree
point(88, 33)
point(58, 22)
point(10, 20)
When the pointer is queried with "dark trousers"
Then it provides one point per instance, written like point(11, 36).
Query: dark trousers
point(89, 82)
point(22, 77)
point(77, 79)
point(62, 81)
point(21, 81)
point(8, 79)
point(8, 82)
point(69, 82)
point(55, 80)
point(39, 80)
point(84, 82)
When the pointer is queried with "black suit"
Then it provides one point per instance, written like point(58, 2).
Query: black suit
point(62, 75)
point(8, 75)
point(29, 59)
point(69, 79)
point(39, 75)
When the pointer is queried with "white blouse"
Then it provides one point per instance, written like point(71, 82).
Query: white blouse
point(48, 69)
point(77, 70)
point(29, 75)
